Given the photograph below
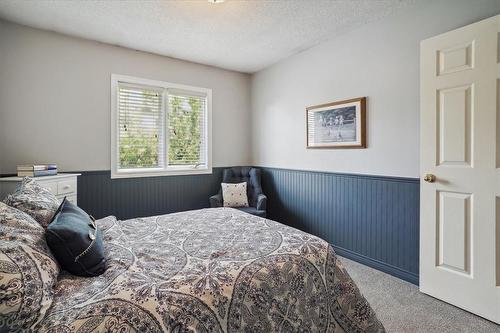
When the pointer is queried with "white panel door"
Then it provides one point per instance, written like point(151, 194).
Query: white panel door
point(460, 160)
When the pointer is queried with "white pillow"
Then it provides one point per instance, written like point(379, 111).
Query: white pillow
point(235, 195)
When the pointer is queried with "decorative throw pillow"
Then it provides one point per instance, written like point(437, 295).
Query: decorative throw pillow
point(34, 200)
point(16, 225)
point(76, 241)
point(235, 195)
point(28, 272)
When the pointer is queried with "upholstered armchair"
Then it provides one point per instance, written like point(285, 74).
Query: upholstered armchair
point(257, 200)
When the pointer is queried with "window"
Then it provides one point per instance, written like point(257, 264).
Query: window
point(159, 128)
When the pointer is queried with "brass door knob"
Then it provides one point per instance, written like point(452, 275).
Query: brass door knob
point(430, 178)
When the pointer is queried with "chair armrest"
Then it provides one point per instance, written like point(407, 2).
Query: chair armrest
point(216, 200)
point(261, 202)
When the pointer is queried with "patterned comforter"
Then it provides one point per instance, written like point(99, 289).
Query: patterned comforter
point(210, 270)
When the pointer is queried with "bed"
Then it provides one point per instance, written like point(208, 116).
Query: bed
point(210, 270)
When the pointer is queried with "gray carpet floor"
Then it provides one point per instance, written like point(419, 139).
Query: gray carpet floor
point(402, 308)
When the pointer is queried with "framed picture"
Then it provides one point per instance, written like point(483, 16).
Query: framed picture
point(337, 125)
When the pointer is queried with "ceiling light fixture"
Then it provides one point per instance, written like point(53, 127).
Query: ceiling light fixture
point(215, 1)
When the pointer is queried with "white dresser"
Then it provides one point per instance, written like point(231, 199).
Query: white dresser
point(61, 185)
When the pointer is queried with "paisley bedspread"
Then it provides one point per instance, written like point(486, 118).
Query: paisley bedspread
point(210, 270)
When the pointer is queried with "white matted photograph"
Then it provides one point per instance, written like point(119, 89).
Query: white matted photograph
point(337, 125)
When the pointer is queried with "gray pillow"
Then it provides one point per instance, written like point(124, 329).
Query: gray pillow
point(34, 200)
point(28, 272)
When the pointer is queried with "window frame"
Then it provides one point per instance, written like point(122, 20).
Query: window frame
point(166, 170)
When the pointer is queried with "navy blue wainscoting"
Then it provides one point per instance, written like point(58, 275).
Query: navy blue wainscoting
point(370, 219)
point(125, 198)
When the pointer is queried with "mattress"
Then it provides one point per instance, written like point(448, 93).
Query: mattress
point(210, 270)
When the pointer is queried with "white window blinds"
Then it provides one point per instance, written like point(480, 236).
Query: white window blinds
point(140, 127)
point(159, 128)
point(187, 142)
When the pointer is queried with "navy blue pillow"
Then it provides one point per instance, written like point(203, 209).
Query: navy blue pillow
point(75, 241)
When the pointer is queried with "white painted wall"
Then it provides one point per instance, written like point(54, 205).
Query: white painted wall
point(379, 60)
point(55, 95)
point(55, 99)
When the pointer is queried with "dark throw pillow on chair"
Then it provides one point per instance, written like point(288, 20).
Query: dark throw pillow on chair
point(75, 241)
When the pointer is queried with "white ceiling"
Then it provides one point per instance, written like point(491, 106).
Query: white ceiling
point(241, 35)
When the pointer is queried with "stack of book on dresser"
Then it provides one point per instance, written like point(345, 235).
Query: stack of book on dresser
point(36, 170)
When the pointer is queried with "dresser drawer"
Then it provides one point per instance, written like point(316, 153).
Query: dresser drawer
point(66, 186)
point(51, 186)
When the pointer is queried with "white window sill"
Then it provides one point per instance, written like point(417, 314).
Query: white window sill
point(160, 172)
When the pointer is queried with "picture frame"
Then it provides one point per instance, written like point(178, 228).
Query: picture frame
point(339, 124)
